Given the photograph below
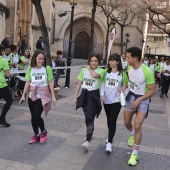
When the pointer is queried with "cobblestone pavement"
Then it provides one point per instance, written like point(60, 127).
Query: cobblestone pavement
point(66, 131)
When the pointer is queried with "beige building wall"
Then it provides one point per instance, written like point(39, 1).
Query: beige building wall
point(2, 22)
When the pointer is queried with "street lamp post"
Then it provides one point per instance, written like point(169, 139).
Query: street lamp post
point(156, 48)
point(67, 81)
point(127, 40)
point(148, 49)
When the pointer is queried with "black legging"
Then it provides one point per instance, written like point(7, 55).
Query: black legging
point(90, 122)
point(5, 93)
point(165, 85)
point(112, 112)
point(36, 110)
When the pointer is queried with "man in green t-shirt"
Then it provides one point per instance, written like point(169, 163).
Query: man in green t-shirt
point(4, 91)
point(141, 87)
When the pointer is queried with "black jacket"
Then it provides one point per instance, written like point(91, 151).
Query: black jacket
point(5, 43)
point(39, 45)
point(85, 100)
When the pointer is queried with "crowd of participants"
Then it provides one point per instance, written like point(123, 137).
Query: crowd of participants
point(161, 71)
point(98, 87)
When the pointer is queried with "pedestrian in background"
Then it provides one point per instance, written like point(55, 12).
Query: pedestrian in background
point(39, 82)
point(6, 42)
point(40, 44)
point(23, 45)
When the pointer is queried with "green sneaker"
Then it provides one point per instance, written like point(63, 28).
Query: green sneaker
point(131, 140)
point(133, 160)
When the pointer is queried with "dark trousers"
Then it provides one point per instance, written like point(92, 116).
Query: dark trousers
point(5, 93)
point(112, 112)
point(57, 75)
point(165, 85)
point(36, 110)
point(90, 122)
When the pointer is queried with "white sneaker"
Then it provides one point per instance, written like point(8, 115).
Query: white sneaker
point(106, 141)
point(85, 146)
point(109, 147)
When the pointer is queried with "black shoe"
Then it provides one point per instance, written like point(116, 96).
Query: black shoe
point(166, 95)
point(3, 122)
point(162, 97)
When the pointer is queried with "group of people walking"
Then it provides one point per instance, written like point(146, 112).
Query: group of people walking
point(99, 85)
point(161, 71)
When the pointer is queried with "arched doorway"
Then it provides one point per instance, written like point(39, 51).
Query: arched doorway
point(82, 46)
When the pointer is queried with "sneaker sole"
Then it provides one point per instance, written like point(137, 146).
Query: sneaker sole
point(84, 148)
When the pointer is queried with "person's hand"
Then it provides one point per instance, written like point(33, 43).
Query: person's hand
point(102, 98)
point(122, 89)
point(54, 100)
point(22, 99)
point(88, 67)
point(135, 104)
point(74, 102)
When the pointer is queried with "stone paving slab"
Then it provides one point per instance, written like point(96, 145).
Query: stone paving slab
point(15, 147)
point(11, 165)
point(118, 159)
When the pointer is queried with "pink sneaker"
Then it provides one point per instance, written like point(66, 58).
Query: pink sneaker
point(34, 139)
point(43, 136)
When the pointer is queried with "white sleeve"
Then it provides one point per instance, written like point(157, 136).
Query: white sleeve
point(102, 89)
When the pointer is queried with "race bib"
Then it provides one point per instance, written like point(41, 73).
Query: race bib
point(88, 83)
point(132, 87)
point(111, 83)
point(38, 77)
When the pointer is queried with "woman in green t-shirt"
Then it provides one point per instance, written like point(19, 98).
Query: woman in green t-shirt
point(89, 80)
point(4, 91)
point(39, 82)
point(26, 60)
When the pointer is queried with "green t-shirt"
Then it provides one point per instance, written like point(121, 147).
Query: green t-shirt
point(22, 65)
point(39, 76)
point(89, 82)
point(3, 67)
point(157, 67)
point(112, 82)
point(139, 79)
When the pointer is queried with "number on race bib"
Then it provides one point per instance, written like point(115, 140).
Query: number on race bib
point(38, 77)
point(111, 83)
point(89, 83)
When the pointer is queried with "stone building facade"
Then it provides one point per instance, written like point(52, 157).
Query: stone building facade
point(156, 38)
point(23, 20)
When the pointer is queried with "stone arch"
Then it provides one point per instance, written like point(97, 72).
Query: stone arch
point(99, 35)
point(78, 16)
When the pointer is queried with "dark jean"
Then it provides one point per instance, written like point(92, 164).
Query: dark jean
point(5, 93)
point(57, 76)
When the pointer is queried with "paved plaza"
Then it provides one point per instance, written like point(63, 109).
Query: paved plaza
point(66, 132)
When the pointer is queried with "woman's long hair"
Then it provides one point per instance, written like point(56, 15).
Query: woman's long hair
point(115, 57)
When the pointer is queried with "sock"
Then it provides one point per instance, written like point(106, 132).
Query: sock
point(132, 132)
point(135, 149)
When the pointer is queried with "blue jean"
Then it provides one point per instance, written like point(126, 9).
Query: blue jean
point(57, 75)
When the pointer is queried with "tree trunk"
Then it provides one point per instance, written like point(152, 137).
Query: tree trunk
point(107, 41)
point(121, 38)
point(44, 31)
point(92, 25)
